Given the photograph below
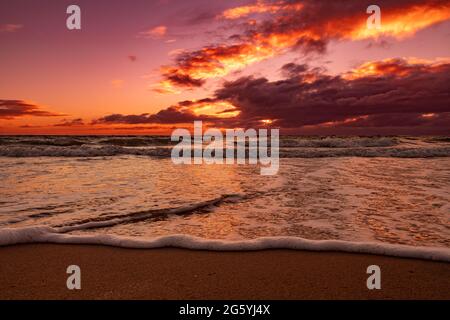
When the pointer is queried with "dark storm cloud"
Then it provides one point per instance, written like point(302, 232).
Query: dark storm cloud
point(170, 115)
point(10, 109)
point(395, 93)
point(309, 99)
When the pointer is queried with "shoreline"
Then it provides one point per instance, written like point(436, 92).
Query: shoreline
point(49, 235)
point(38, 271)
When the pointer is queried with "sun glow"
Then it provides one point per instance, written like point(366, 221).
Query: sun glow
point(404, 23)
point(398, 67)
point(218, 109)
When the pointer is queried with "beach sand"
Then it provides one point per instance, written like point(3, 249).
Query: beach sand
point(38, 271)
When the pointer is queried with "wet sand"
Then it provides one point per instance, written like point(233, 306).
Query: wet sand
point(38, 271)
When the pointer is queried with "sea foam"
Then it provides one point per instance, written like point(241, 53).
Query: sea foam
point(165, 152)
point(42, 234)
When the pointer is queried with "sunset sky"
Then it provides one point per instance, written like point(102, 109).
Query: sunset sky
point(145, 67)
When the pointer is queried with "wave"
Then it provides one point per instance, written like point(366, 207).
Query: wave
point(42, 234)
point(137, 141)
point(338, 142)
point(400, 152)
point(67, 141)
point(439, 139)
point(43, 141)
point(165, 152)
point(109, 221)
point(81, 151)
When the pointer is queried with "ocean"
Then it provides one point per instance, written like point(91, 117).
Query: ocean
point(384, 195)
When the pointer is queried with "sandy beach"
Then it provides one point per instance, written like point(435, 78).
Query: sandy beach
point(38, 271)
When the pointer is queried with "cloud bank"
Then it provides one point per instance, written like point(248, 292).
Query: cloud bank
point(305, 26)
point(389, 93)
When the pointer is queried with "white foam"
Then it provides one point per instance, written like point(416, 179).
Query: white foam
point(79, 151)
point(339, 142)
point(41, 234)
point(305, 151)
point(401, 152)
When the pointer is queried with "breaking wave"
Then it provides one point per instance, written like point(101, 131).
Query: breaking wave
point(160, 146)
point(165, 152)
point(67, 141)
point(338, 142)
point(41, 234)
point(400, 152)
point(79, 151)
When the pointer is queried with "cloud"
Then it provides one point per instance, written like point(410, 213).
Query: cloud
point(171, 115)
point(398, 67)
point(138, 128)
point(10, 109)
point(401, 92)
point(154, 33)
point(184, 112)
point(306, 26)
point(441, 120)
point(28, 126)
point(312, 98)
point(8, 28)
point(70, 123)
point(260, 7)
point(173, 76)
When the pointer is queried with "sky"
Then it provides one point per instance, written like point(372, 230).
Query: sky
point(147, 67)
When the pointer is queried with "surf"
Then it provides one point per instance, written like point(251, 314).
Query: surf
point(41, 234)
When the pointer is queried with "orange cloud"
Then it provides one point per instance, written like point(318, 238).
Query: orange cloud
point(308, 29)
point(154, 33)
point(402, 23)
point(259, 7)
point(398, 67)
point(214, 61)
point(218, 109)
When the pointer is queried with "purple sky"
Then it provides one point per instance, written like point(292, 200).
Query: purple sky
point(308, 67)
